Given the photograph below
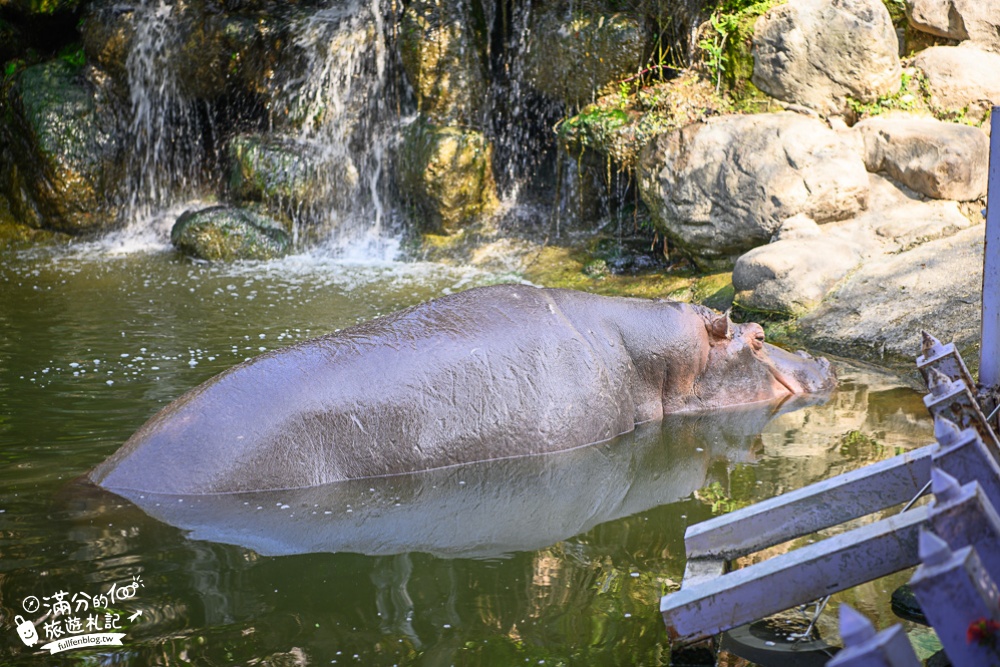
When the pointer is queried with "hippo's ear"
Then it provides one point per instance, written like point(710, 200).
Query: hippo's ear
point(720, 327)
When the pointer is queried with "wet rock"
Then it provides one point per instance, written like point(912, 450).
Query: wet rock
point(446, 172)
point(284, 173)
point(819, 53)
point(443, 58)
point(938, 159)
point(223, 233)
point(974, 20)
point(107, 30)
point(961, 79)
point(63, 159)
point(720, 188)
point(792, 276)
point(573, 57)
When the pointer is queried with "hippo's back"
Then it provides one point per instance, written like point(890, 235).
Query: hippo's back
point(488, 373)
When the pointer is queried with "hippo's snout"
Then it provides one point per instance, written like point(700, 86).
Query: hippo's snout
point(800, 372)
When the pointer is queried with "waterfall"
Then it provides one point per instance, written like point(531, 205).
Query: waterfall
point(164, 126)
point(519, 120)
point(337, 107)
point(329, 107)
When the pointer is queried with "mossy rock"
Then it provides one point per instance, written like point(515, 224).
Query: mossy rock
point(620, 124)
point(447, 174)
point(443, 56)
point(725, 44)
point(222, 233)
point(573, 57)
point(107, 29)
point(15, 235)
point(63, 161)
point(273, 168)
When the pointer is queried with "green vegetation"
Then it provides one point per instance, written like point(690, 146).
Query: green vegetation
point(726, 46)
point(72, 54)
point(907, 97)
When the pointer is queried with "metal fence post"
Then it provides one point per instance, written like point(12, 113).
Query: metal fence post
point(989, 355)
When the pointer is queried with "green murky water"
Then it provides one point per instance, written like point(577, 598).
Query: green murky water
point(554, 561)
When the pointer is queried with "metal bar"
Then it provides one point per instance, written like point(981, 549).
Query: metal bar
point(803, 511)
point(779, 583)
point(698, 570)
point(989, 355)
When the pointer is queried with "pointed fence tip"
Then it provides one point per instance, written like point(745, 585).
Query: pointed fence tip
point(945, 431)
point(938, 382)
point(944, 486)
point(929, 344)
point(932, 549)
point(854, 627)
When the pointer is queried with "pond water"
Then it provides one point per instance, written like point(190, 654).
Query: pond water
point(555, 560)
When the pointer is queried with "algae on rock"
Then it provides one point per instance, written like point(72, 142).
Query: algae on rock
point(443, 55)
point(64, 159)
point(447, 172)
point(573, 58)
point(222, 233)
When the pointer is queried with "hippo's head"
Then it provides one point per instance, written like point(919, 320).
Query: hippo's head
point(742, 368)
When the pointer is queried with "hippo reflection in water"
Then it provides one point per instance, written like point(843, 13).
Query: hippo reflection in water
point(489, 373)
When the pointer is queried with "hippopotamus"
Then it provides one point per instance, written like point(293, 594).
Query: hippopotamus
point(488, 373)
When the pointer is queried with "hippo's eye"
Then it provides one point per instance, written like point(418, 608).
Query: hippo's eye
point(758, 341)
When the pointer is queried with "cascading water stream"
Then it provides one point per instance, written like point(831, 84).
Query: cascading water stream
point(165, 127)
point(331, 108)
point(336, 110)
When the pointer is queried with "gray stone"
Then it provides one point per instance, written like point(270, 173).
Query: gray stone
point(899, 219)
point(820, 52)
point(961, 78)
point(879, 311)
point(792, 276)
point(720, 188)
point(941, 160)
point(571, 57)
point(974, 20)
point(799, 226)
point(223, 233)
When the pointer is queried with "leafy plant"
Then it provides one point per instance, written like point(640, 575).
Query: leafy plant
point(73, 54)
point(731, 22)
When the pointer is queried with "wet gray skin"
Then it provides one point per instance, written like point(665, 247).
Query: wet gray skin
point(489, 373)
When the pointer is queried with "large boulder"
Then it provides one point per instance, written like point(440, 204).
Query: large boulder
point(574, 56)
point(961, 78)
point(222, 233)
point(880, 309)
point(447, 174)
point(720, 188)
point(443, 60)
point(941, 160)
point(819, 53)
point(62, 161)
point(974, 20)
point(791, 276)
